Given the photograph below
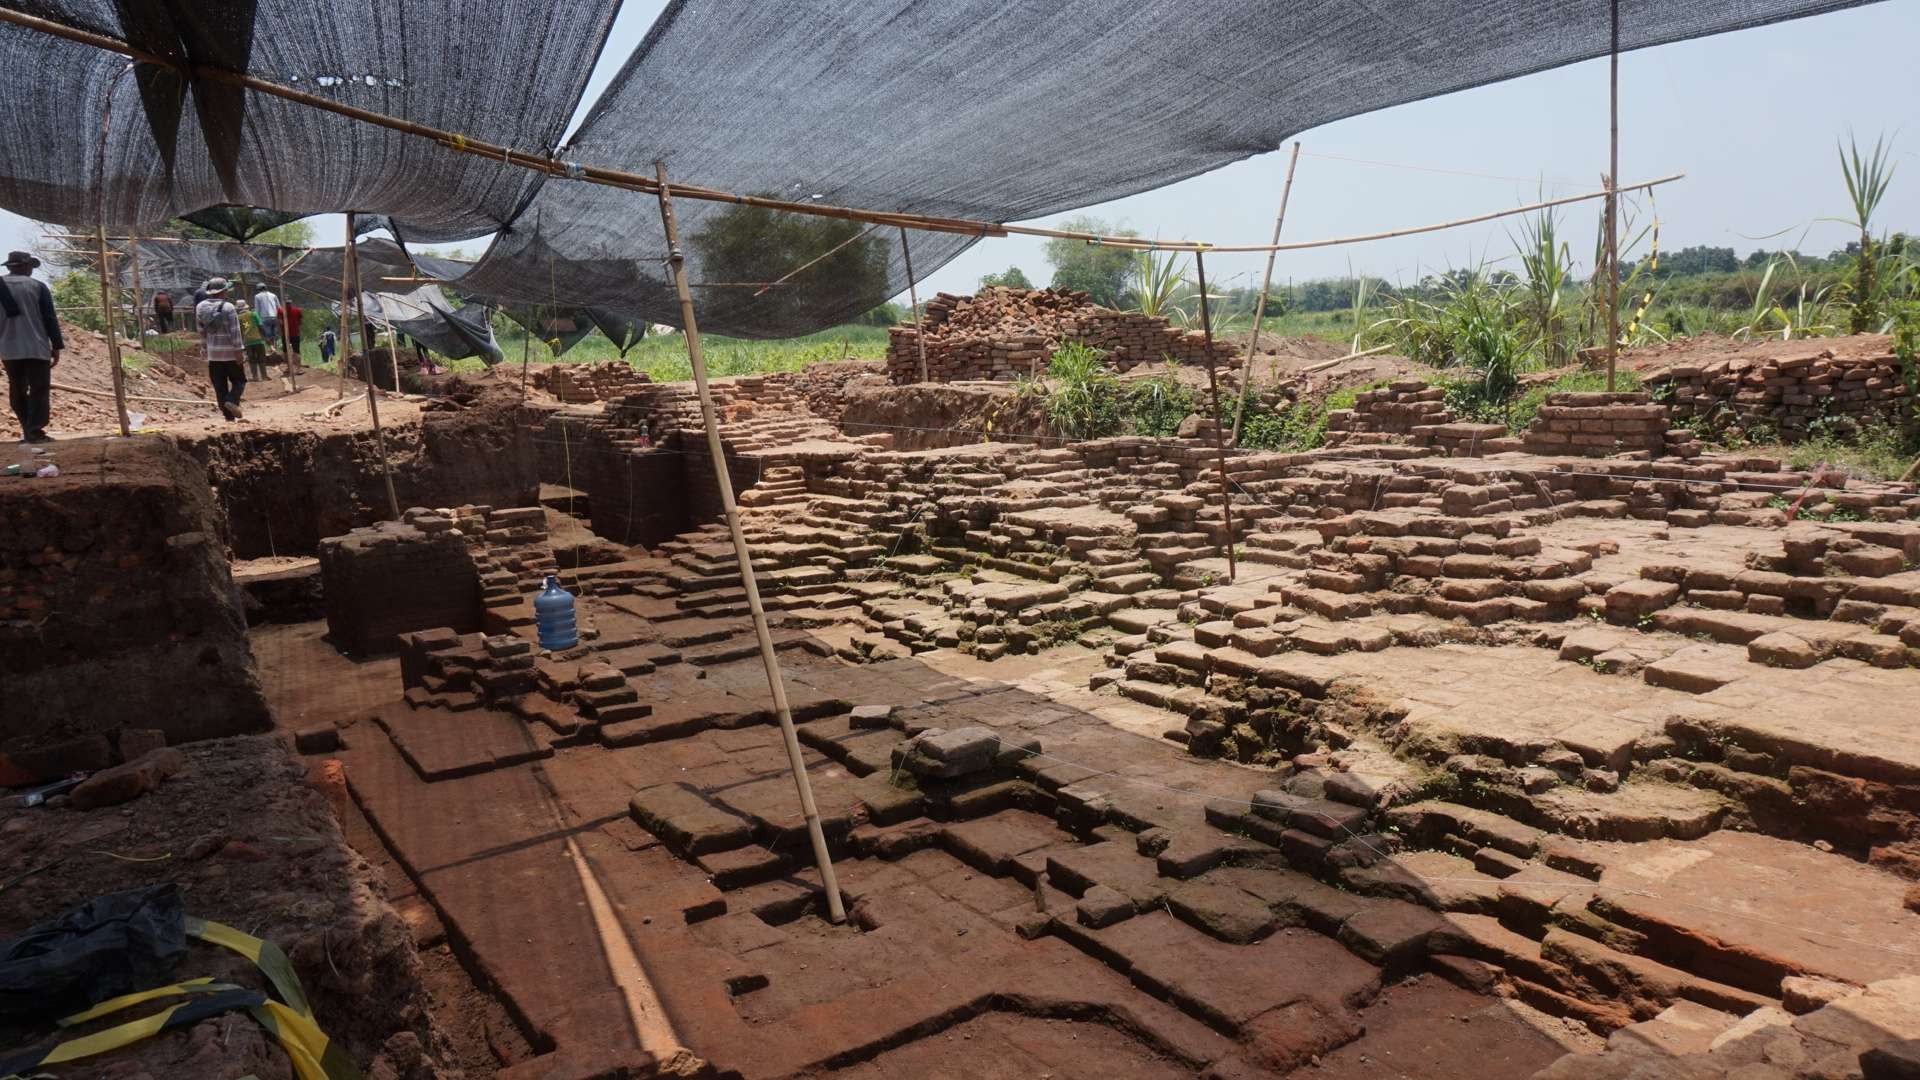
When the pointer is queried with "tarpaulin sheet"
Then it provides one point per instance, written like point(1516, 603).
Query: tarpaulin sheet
point(989, 110)
point(983, 109)
point(508, 71)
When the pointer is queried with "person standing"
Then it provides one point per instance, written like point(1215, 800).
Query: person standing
point(163, 311)
point(30, 345)
point(220, 343)
point(266, 305)
point(328, 344)
point(290, 317)
point(254, 337)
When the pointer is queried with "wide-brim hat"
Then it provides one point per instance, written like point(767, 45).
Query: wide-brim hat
point(216, 285)
point(21, 258)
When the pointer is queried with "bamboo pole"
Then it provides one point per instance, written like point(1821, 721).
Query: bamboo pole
point(286, 333)
point(1613, 198)
point(373, 394)
point(67, 389)
point(526, 352)
point(139, 302)
point(1260, 305)
point(344, 346)
point(913, 294)
point(1213, 386)
point(555, 167)
point(676, 262)
point(113, 339)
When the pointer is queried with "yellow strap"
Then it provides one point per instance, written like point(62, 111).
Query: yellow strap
point(190, 986)
point(111, 1039)
point(265, 955)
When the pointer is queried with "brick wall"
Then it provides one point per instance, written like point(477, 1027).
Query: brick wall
point(117, 606)
point(1602, 424)
point(955, 354)
point(1791, 393)
point(387, 579)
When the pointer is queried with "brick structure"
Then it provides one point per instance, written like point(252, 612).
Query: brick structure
point(387, 579)
point(579, 384)
point(1019, 330)
point(1791, 393)
point(117, 608)
point(1601, 424)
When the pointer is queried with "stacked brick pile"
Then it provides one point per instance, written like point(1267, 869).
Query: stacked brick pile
point(1789, 393)
point(1388, 415)
point(1002, 333)
point(580, 384)
point(388, 579)
point(1600, 424)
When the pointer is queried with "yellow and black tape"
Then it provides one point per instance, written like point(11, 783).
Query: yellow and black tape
point(193, 1010)
point(1653, 267)
point(290, 1021)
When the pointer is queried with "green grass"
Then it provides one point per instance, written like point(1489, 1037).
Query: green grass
point(663, 358)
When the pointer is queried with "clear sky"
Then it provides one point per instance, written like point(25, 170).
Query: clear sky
point(1751, 118)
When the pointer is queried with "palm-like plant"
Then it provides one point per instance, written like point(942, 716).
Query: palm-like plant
point(1868, 177)
point(1548, 262)
point(1160, 284)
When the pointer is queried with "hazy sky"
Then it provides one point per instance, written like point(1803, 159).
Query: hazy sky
point(1750, 117)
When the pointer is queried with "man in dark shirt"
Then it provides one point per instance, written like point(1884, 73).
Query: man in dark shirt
point(30, 344)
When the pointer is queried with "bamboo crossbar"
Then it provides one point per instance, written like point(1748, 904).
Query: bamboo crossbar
point(619, 178)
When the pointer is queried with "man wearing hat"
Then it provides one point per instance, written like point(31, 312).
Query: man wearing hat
point(30, 344)
point(221, 344)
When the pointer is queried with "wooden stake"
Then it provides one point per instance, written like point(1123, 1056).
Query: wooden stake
point(676, 262)
point(1613, 199)
point(913, 294)
point(113, 337)
point(1213, 386)
point(526, 350)
point(344, 345)
point(1260, 305)
point(373, 395)
point(139, 303)
point(286, 332)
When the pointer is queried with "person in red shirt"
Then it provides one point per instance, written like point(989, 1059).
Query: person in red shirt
point(290, 326)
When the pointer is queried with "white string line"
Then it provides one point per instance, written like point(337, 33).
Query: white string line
point(1518, 471)
point(1419, 878)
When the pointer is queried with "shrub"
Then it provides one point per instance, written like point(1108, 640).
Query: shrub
point(1158, 404)
point(1084, 399)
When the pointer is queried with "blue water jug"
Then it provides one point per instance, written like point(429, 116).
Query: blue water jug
point(553, 612)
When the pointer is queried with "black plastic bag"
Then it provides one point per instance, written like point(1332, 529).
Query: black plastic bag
point(111, 945)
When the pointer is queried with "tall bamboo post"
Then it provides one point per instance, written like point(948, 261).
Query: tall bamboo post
point(1260, 305)
point(113, 336)
point(913, 294)
point(286, 332)
point(526, 352)
point(373, 394)
point(344, 346)
point(139, 302)
point(1613, 197)
point(1213, 386)
point(676, 262)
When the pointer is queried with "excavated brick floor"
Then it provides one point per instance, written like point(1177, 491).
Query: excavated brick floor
point(1478, 768)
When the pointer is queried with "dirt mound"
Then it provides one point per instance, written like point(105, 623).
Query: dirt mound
point(925, 416)
point(150, 374)
point(1653, 359)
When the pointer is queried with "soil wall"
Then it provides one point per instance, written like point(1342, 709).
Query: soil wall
point(927, 416)
point(283, 491)
point(117, 606)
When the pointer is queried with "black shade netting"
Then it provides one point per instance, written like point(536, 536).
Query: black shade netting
point(989, 110)
point(507, 71)
point(240, 222)
point(426, 315)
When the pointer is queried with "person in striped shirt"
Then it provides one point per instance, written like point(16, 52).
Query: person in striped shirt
point(221, 344)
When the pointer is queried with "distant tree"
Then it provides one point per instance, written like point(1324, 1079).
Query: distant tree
point(1012, 277)
point(751, 243)
point(1700, 259)
point(1098, 270)
point(888, 314)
